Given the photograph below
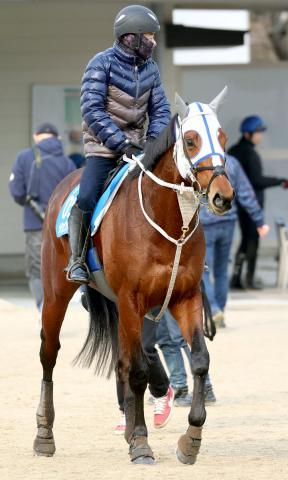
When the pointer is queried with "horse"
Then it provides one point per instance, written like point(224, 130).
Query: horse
point(137, 257)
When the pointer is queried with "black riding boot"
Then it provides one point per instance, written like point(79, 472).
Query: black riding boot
point(237, 272)
point(79, 232)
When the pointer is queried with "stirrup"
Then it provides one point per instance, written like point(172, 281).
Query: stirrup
point(82, 276)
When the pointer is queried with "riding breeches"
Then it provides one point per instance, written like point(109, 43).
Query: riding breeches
point(92, 181)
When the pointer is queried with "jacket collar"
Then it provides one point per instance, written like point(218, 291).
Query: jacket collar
point(125, 56)
point(245, 141)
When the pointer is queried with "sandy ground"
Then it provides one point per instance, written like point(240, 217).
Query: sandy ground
point(246, 432)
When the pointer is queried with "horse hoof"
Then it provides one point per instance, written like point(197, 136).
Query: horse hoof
point(140, 452)
point(143, 461)
point(44, 447)
point(186, 459)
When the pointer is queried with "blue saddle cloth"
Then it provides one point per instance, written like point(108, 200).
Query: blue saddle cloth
point(100, 209)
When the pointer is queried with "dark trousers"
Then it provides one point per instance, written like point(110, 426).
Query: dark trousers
point(92, 181)
point(158, 380)
point(249, 243)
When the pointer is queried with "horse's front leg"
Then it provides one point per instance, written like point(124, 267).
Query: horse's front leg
point(189, 316)
point(133, 371)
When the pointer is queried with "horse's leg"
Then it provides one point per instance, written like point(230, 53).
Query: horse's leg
point(133, 370)
point(53, 312)
point(189, 316)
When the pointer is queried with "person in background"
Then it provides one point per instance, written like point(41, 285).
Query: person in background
point(76, 147)
point(219, 235)
point(171, 342)
point(35, 174)
point(252, 129)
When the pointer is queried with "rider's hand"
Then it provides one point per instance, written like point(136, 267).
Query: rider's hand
point(263, 230)
point(132, 150)
point(284, 184)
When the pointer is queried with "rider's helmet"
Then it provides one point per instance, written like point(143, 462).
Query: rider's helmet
point(253, 124)
point(135, 19)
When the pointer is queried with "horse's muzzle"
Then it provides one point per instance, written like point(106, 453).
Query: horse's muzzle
point(221, 204)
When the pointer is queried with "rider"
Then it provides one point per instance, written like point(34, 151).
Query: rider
point(120, 87)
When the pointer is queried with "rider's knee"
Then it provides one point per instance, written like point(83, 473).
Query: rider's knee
point(86, 204)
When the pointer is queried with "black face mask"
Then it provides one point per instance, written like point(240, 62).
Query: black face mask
point(139, 44)
point(146, 47)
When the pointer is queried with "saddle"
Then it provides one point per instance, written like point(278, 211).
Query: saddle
point(111, 187)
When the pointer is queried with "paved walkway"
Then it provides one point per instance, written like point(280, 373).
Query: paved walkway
point(245, 436)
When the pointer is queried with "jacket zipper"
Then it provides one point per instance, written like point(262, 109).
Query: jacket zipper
point(137, 81)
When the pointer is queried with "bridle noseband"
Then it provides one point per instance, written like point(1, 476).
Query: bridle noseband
point(211, 151)
point(218, 171)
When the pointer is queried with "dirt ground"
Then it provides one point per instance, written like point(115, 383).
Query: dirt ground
point(245, 435)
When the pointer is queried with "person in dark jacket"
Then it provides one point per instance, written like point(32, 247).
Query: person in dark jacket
point(219, 231)
point(252, 129)
point(35, 174)
point(121, 87)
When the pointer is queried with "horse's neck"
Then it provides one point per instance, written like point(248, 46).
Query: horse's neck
point(161, 202)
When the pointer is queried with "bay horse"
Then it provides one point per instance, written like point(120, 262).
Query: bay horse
point(137, 262)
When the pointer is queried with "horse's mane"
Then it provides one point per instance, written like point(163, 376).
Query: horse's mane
point(154, 150)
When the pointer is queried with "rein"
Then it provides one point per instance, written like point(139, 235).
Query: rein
point(188, 198)
point(189, 203)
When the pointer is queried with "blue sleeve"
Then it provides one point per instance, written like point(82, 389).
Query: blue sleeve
point(246, 197)
point(71, 166)
point(93, 106)
point(17, 182)
point(158, 108)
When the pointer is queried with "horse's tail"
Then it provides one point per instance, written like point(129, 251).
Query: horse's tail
point(209, 324)
point(101, 343)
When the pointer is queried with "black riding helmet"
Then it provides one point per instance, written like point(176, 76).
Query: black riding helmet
point(135, 19)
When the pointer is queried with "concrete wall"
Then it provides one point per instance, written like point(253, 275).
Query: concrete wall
point(39, 44)
point(252, 89)
point(51, 42)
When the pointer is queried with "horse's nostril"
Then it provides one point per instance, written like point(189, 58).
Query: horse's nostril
point(221, 202)
point(218, 201)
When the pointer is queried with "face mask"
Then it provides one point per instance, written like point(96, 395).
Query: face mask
point(146, 47)
point(139, 44)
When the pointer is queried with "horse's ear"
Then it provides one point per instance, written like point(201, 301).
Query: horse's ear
point(217, 101)
point(181, 107)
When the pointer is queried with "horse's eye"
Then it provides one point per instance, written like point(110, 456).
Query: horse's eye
point(189, 142)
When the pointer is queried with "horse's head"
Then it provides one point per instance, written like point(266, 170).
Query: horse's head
point(199, 151)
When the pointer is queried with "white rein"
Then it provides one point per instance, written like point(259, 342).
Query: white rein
point(188, 204)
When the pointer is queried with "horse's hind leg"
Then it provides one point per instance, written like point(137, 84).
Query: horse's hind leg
point(133, 372)
point(189, 316)
point(54, 309)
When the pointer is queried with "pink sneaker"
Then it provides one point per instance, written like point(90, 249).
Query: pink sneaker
point(163, 408)
point(120, 428)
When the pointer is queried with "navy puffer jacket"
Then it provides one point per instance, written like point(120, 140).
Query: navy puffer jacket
point(118, 91)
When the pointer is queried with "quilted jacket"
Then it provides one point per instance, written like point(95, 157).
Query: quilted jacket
point(119, 91)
